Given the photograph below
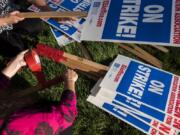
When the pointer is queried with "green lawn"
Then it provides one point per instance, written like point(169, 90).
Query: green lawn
point(91, 120)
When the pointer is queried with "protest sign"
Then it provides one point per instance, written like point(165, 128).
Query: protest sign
point(61, 39)
point(138, 21)
point(69, 28)
point(144, 88)
point(141, 122)
point(74, 5)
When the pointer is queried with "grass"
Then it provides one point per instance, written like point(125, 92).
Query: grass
point(90, 120)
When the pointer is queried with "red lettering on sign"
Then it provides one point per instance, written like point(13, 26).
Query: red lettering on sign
point(177, 108)
point(173, 95)
point(120, 72)
point(176, 123)
point(176, 35)
point(169, 120)
point(164, 128)
point(102, 13)
point(155, 123)
point(153, 131)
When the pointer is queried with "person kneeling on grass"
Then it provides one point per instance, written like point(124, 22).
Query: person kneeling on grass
point(35, 121)
point(13, 27)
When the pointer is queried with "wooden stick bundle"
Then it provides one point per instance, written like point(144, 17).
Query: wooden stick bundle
point(143, 55)
point(52, 14)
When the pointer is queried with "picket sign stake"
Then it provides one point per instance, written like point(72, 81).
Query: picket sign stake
point(143, 55)
point(160, 48)
point(52, 14)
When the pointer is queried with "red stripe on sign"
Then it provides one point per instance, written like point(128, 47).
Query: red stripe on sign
point(49, 52)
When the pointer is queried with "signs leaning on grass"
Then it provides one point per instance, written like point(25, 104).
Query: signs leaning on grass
point(146, 97)
point(134, 21)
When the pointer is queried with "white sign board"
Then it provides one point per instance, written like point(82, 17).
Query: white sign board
point(139, 21)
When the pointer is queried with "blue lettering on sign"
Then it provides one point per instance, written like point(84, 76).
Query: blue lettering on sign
point(80, 5)
point(130, 111)
point(117, 112)
point(63, 27)
point(140, 83)
point(139, 20)
point(140, 107)
point(57, 33)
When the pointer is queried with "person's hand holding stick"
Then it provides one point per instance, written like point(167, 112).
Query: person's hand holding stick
point(11, 18)
point(70, 79)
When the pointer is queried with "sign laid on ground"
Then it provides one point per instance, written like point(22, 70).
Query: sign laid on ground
point(136, 21)
point(146, 93)
point(72, 29)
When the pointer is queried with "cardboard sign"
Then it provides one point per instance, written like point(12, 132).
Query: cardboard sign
point(148, 22)
point(136, 119)
point(61, 39)
point(69, 28)
point(146, 125)
point(74, 5)
point(146, 97)
point(144, 88)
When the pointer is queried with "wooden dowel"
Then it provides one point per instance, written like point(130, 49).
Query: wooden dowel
point(140, 55)
point(52, 14)
point(148, 55)
point(86, 62)
point(161, 48)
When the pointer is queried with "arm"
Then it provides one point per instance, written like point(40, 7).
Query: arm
point(11, 18)
point(12, 68)
point(54, 118)
point(38, 2)
point(68, 101)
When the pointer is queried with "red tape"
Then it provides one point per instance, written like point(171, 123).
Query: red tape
point(33, 62)
point(49, 52)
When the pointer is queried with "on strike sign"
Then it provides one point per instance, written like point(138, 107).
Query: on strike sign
point(134, 21)
point(143, 96)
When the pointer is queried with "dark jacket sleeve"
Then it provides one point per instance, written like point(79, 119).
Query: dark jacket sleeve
point(4, 82)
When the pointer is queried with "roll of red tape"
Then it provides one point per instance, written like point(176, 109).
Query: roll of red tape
point(33, 61)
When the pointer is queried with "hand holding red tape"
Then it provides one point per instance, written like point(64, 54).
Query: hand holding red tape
point(33, 61)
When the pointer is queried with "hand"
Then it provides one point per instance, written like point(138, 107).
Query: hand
point(70, 79)
point(38, 2)
point(12, 18)
point(15, 65)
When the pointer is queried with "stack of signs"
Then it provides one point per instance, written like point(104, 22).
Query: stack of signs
point(134, 21)
point(143, 96)
point(66, 31)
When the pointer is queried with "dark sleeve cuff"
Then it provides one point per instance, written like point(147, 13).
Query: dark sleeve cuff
point(67, 95)
point(4, 81)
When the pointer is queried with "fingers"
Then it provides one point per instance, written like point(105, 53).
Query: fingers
point(14, 18)
point(71, 75)
point(24, 52)
point(22, 63)
point(14, 13)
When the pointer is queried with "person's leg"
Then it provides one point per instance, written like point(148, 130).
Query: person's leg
point(10, 44)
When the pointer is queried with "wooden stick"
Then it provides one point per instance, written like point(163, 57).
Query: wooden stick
point(161, 48)
point(85, 51)
point(95, 66)
point(137, 53)
point(148, 55)
point(52, 14)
